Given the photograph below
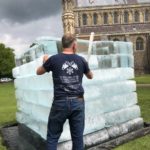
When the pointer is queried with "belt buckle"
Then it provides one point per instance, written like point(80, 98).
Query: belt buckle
point(81, 98)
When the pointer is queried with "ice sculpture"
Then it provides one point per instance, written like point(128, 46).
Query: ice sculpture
point(110, 98)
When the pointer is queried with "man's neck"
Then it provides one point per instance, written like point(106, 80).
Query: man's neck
point(68, 51)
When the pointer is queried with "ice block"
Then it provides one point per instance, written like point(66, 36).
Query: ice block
point(121, 116)
point(111, 107)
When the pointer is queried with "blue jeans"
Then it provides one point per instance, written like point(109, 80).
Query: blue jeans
point(73, 110)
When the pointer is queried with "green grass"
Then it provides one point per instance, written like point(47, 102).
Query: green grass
point(1, 147)
point(8, 110)
point(7, 106)
point(139, 144)
point(7, 103)
point(145, 79)
point(144, 102)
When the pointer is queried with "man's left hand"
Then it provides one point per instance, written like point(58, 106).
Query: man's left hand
point(45, 58)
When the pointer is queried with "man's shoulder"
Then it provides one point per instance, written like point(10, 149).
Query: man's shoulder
point(81, 57)
point(60, 55)
point(55, 56)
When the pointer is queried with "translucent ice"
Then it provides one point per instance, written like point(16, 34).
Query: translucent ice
point(93, 123)
point(115, 61)
point(43, 82)
point(109, 75)
point(116, 102)
point(42, 97)
point(110, 98)
point(104, 47)
point(15, 72)
point(123, 47)
point(93, 61)
point(121, 116)
point(116, 88)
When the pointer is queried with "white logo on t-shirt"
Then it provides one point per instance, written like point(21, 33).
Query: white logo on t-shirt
point(69, 67)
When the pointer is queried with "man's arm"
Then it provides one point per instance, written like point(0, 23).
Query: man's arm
point(89, 75)
point(41, 70)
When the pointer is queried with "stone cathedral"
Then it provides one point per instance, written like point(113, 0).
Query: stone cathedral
point(116, 20)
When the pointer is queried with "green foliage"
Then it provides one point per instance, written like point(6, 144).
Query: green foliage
point(7, 61)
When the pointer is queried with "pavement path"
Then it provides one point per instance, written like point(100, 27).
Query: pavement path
point(143, 85)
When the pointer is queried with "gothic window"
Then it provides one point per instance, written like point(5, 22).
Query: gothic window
point(115, 17)
point(84, 18)
point(95, 18)
point(139, 44)
point(126, 17)
point(105, 18)
point(146, 15)
point(136, 16)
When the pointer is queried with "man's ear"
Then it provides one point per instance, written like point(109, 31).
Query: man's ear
point(73, 46)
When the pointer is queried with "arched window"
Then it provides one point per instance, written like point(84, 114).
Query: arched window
point(146, 15)
point(95, 18)
point(116, 39)
point(115, 17)
point(105, 18)
point(126, 17)
point(84, 18)
point(136, 16)
point(139, 44)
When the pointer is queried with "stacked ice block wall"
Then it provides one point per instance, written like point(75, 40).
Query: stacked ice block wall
point(110, 98)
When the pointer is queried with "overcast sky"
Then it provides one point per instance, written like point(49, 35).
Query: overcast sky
point(22, 21)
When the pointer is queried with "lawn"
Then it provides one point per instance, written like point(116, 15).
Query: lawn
point(1, 147)
point(8, 109)
point(144, 102)
point(139, 144)
point(7, 105)
point(145, 79)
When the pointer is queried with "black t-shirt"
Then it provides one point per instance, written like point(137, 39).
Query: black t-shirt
point(67, 71)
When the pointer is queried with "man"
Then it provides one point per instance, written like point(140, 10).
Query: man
point(67, 71)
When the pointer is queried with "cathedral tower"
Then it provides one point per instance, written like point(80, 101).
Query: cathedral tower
point(68, 17)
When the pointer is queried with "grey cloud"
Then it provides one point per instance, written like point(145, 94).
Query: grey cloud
point(21, 36)
point(23, 11)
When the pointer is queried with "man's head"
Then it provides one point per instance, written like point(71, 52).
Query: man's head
point(69, 42)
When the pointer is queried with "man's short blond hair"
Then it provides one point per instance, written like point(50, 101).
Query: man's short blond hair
point(67, 40)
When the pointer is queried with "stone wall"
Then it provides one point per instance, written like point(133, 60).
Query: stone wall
point(140, 28)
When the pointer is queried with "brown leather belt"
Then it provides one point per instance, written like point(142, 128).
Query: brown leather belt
point(70, 97)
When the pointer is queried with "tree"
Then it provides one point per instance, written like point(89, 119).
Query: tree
point(7, 61)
